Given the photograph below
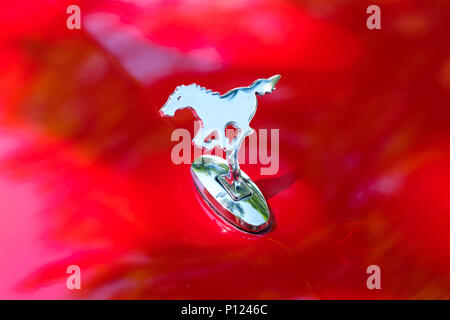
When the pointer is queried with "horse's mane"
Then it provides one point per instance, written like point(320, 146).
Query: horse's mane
point(205, 90)
point(199, 89)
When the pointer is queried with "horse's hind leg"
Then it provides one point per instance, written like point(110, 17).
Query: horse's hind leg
point(236, 142)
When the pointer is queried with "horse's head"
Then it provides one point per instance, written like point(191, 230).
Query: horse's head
point(263, 86)
point(181, 98)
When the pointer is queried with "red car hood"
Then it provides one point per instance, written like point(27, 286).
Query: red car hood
point(86, 176)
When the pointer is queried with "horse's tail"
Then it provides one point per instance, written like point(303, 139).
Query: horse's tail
point(263, 86)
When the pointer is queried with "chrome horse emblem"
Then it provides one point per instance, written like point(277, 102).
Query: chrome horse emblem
point(226, 189)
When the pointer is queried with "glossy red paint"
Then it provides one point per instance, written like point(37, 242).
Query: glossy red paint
point(86, 176)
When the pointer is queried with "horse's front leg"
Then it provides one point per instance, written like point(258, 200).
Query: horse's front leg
point(200, 137)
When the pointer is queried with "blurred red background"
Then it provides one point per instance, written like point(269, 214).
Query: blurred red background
point(85, 170)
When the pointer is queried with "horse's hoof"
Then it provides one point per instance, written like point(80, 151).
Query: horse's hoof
point(247, 210)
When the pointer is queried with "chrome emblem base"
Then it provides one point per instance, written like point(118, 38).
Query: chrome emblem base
point(243, 206)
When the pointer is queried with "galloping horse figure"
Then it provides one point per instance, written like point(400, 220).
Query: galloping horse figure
point(216, 112)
